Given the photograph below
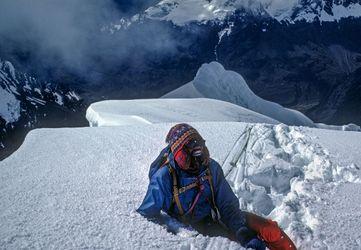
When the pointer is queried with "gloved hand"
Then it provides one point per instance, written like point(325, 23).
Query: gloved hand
point(248, 239)
point(256, 244)
point(244, 235)
point(269, 231)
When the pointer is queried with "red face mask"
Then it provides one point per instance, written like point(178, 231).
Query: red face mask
point(192, 156)
point(183, 159)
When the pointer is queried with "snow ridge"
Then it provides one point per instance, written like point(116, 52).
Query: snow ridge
point(213, 81)
point(150, 111)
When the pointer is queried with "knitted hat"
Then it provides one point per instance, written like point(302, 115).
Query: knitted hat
point(179, 135)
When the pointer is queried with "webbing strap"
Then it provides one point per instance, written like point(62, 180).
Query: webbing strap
point(195, 201)
point(175, 191)
point(193, 185)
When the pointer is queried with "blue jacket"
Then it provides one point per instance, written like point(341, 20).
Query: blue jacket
point(159, 196)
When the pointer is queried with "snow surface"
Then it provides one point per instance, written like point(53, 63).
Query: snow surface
point(213, 81)
point(149, 111)
point(79, 187)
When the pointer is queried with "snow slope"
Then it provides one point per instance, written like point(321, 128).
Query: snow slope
point(149, 111)
point(213, 81)
point(79, 188)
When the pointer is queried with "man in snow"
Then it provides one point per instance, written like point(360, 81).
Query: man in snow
point(190, 186)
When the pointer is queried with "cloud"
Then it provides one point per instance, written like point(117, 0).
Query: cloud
point(67, 33)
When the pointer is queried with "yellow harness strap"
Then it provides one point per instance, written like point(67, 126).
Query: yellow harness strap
point(176, 191)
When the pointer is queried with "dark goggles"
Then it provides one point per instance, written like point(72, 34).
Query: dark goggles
point(195, 147)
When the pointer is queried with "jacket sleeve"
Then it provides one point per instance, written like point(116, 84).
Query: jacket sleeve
point(228, 206)
point(158, 196)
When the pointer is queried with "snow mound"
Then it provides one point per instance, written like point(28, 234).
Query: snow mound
point(213, 81)
point(149, 111)
point(278, 171)
point(348, 127)
point(79, 188)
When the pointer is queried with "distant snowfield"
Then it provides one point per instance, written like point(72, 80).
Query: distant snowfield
point(186, 11)
point(79, 188)
point(149, 111)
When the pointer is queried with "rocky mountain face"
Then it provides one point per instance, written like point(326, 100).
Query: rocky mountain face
point(27, 103)
point(311, 67)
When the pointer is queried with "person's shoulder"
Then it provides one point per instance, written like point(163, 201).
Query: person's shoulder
point(214, 166)
point(162, 178)
point(162, 173)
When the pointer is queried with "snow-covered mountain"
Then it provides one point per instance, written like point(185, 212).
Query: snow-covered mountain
point(182, 12)
point(79, 187)
point(300, 54)
point(213, 81)
point(26, 101)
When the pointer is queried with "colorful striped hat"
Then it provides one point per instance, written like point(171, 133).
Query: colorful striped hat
point(179, 135)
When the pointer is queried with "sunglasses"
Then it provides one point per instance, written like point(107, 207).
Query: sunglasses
point(195, 147)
